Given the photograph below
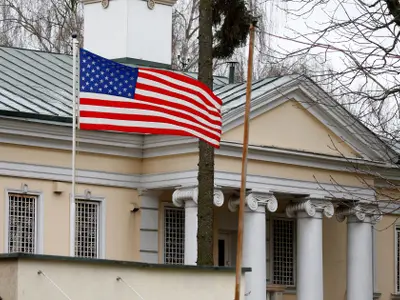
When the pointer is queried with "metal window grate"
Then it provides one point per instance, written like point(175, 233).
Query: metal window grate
point(398, 259)
point(283, 249)
point(22, 223)
point(174, 235)
point(87, 228)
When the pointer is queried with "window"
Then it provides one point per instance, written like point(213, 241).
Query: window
point(87, 228)
point(283, 252)
point(22, 223)
point(397, 259)
point(174, 235)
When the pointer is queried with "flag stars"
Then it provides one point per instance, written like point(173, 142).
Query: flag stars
point(99, 75)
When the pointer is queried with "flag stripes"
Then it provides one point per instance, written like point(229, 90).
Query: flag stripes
point(120, 98)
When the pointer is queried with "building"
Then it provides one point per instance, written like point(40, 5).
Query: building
point(313, 227)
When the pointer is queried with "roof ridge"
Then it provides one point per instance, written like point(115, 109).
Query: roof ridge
point(34, 50)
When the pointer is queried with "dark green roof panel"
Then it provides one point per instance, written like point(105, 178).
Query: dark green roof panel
point(36, 82)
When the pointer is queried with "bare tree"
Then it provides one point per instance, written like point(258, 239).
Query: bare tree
point(185, 40)
point(184, 33)
point(40, 24)
point(360, 39)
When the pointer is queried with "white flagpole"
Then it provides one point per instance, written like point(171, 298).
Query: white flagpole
point(73, 180)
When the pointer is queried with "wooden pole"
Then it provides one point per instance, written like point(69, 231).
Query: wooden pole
point(244, 166)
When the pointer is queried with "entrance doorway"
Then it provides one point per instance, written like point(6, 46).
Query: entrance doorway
point(226, 241)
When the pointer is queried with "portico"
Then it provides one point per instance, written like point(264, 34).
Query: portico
point(308, 213)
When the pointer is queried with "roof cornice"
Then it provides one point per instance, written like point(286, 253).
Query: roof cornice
point(56, 136)
point(51, 136)
point(356, 136)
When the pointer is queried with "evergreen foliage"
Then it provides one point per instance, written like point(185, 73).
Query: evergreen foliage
point(232, 19)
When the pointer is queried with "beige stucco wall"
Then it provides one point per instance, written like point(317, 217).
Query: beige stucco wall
point(122, 227)
point(176, 163)
point(385, 252)
point(8, 279)
point(97, 281)
point(291, 126)
point(297, 130)
point(61, 158)
point(334, 259)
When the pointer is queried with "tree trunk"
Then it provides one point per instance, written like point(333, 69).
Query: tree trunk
point(206, 152)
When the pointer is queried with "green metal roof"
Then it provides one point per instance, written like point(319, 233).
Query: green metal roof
point(40, 83)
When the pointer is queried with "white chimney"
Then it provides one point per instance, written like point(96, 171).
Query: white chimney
point(129, 30)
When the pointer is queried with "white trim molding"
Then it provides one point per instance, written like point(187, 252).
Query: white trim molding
point(55, 136)
point(319, 104)
point(52, 173)
point(149, 225)
point(87, 196)
point(223, 179)
point(39, 232)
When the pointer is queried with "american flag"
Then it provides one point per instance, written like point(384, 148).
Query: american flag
point(116, 97)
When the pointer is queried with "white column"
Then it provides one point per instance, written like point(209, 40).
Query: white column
point(309, 279)
point(359, 250)
point(187, 197)
point(254, 242)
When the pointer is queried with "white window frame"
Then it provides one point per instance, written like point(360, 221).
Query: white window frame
point(166, 205)
point(396, 259)
point(102, 223)
point(270, 241)
point(39, 216)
